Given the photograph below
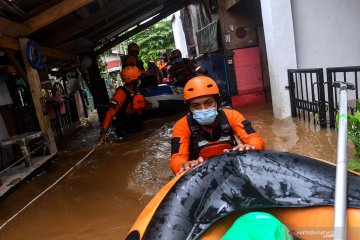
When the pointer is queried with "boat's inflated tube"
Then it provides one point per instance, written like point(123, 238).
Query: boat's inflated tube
point(236, 181)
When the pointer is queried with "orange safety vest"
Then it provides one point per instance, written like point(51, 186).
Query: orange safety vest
point(138, 102)
point(123, 105)
point(182, 142)
point(201, 147)
point(133, 102)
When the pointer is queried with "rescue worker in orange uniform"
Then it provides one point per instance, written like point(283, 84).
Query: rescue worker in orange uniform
point(181, 69)
point(133, 51)
point(207, 130)
point(163, 64)
point(153, 76)
point(126, 104)
point(130, 60)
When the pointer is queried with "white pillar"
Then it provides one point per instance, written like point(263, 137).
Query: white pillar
point(281, 52)
point(179, 35)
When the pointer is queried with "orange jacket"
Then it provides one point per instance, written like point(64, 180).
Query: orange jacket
point(162, 65)
point(182, 132)
point(116, 103)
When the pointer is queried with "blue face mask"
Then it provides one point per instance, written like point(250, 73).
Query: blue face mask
point(205, 116)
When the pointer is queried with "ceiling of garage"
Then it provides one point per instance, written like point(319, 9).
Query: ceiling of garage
point(82, 25)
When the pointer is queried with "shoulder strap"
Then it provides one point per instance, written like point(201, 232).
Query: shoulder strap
point(195, 130)
point(195, 134)
point(226, 130)
point(127, 99)
point(127, 92)
point(224, 123)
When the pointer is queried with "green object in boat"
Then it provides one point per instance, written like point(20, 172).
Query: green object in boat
point(257, 226)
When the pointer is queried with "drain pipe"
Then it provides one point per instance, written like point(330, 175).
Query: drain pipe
point(341, 165)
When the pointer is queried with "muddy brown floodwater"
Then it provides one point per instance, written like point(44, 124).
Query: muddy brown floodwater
point(102, 197)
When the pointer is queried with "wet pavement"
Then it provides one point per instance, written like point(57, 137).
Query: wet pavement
point(102, 197)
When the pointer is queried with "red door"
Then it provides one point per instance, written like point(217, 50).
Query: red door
point(248, 77)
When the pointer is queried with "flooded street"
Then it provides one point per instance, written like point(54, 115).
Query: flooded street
point(102, 197)
point(294, 135)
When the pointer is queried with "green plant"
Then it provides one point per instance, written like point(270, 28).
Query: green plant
point(354, 135)
point(354, 165)
point(154, 40)
point(354, 129)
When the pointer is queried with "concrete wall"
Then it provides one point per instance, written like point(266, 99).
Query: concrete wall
point(179, 35)
point(280, 46)
point(326, 33)
point(308, 34)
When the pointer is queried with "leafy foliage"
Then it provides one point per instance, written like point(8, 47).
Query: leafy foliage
point(353, 127)
point(354, 165)
point(153, 40)
point(102, 66)
point(354, 130)
point(354, 135)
